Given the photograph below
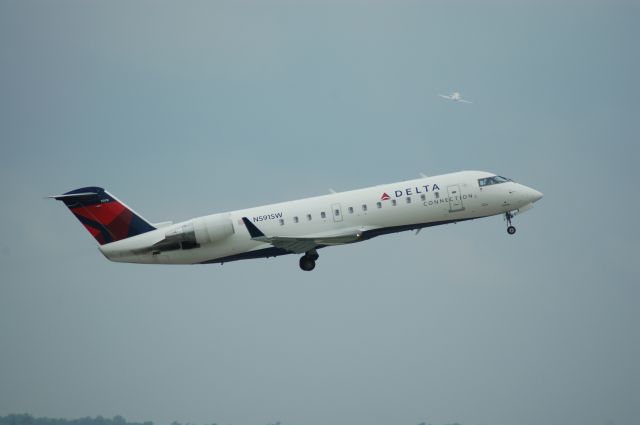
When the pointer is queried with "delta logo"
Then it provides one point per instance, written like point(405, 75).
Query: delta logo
point(410, 191)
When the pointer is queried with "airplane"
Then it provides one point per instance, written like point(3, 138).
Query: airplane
point(297, 227)
point(455, 96)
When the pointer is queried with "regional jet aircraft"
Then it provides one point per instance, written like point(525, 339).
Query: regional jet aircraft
point(455, 96)
point(297, 227)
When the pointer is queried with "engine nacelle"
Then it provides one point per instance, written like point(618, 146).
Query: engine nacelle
point(195, 233)
point(212, 229)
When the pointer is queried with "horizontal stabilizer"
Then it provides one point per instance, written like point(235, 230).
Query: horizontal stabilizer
point(73, 195)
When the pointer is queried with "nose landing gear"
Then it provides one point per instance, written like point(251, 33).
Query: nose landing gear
point(510, 229)
point(308, 260)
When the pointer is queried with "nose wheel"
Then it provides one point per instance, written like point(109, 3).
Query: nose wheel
point(308, 260)
point(510, 229)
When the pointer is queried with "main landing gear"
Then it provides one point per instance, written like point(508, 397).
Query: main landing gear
point(510, 229)
point(308, 260)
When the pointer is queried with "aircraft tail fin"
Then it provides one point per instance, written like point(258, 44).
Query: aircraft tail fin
point(104, 216)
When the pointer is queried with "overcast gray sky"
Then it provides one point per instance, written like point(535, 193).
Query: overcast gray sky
point(187, 108)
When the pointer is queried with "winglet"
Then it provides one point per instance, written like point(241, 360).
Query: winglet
point(253, 230)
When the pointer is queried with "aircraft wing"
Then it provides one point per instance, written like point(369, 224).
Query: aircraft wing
point(299, 245)
point(444, 96)
point(464, 101)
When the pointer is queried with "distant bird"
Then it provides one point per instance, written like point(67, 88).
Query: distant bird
point(455, 96)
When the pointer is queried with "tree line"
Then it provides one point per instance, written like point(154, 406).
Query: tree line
point(26, 419)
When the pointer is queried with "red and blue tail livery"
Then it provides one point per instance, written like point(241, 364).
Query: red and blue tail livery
point(104, 216)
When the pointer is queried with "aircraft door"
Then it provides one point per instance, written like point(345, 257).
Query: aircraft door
point(336, 212)
point(455, 198)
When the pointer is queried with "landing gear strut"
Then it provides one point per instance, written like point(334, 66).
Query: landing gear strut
point(308, 260)
point(510, 229)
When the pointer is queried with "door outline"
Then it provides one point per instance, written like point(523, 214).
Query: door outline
point(336, 212)
point(453, 192)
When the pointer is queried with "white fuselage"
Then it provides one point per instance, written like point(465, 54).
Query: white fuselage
point(372, 211)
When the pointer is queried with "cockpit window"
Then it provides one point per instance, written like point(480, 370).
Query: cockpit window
point(487, 181)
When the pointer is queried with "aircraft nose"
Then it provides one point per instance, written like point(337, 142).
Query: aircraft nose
point(534, 195)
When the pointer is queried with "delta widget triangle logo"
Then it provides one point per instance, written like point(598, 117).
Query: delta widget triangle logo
point(385, 197)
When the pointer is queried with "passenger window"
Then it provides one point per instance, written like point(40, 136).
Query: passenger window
point(336, 213)
point(423, 197)
point(364, 207)
point(323, 215)
point(309, 217)
point(436, 194)
point(282, 222)
point(379, 204)
point(393, 202)
point(295, 219)
point(350, 210)
point(408, 199)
